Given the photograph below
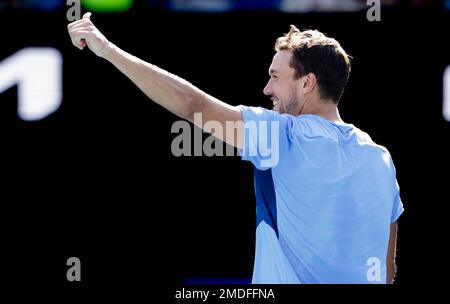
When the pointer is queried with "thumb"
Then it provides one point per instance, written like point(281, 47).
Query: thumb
point(87, 15)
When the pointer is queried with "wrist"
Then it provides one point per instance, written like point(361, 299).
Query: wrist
point(110, 49)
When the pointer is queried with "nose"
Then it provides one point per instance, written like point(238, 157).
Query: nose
point(268, 88)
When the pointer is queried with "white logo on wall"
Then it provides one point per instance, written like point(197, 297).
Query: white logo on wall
point(374, 12)
point(446, 95)
point(374, 272)
point(37, 72)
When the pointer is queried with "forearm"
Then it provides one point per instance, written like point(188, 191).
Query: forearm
point(390, 258)
point(170, 91)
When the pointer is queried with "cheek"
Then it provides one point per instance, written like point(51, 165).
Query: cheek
point(284, 90)
point(278, 89)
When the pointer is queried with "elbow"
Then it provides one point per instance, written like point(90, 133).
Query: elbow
point(191, 106)
point(186, 111)
point(391, 273)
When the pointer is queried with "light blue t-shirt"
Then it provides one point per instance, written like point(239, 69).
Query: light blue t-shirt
point(326, 196)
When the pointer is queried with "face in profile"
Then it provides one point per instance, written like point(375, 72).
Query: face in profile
point(282, 87)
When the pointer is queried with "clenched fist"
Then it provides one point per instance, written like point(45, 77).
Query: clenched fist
point(84, 33)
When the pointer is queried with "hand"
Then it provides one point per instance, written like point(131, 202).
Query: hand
point(83, 33)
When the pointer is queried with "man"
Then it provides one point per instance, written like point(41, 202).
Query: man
point(327, 205)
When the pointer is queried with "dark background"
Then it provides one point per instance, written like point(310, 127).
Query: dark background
point(97, 179)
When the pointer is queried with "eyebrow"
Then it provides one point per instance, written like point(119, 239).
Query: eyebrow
point(272, 71)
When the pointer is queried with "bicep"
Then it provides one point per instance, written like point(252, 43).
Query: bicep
point(222, 120)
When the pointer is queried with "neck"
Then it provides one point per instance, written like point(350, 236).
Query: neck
point(324, 108)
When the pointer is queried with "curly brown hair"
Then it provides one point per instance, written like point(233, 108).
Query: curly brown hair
point(314, 52)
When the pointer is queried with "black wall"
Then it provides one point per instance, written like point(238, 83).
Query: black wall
point(97, 179)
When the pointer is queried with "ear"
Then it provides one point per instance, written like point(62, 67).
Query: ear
point(309, 83)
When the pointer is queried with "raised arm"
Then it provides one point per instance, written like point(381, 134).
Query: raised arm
point(170, 91)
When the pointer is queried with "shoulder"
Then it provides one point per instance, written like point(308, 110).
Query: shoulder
point(377, 151)
point(252, 115)
point(260, 113)
point(365, 139)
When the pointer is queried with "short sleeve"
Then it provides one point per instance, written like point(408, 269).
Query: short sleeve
point(397, 208)
point(266, 135)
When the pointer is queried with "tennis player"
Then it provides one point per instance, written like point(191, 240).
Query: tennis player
point(328, 203)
